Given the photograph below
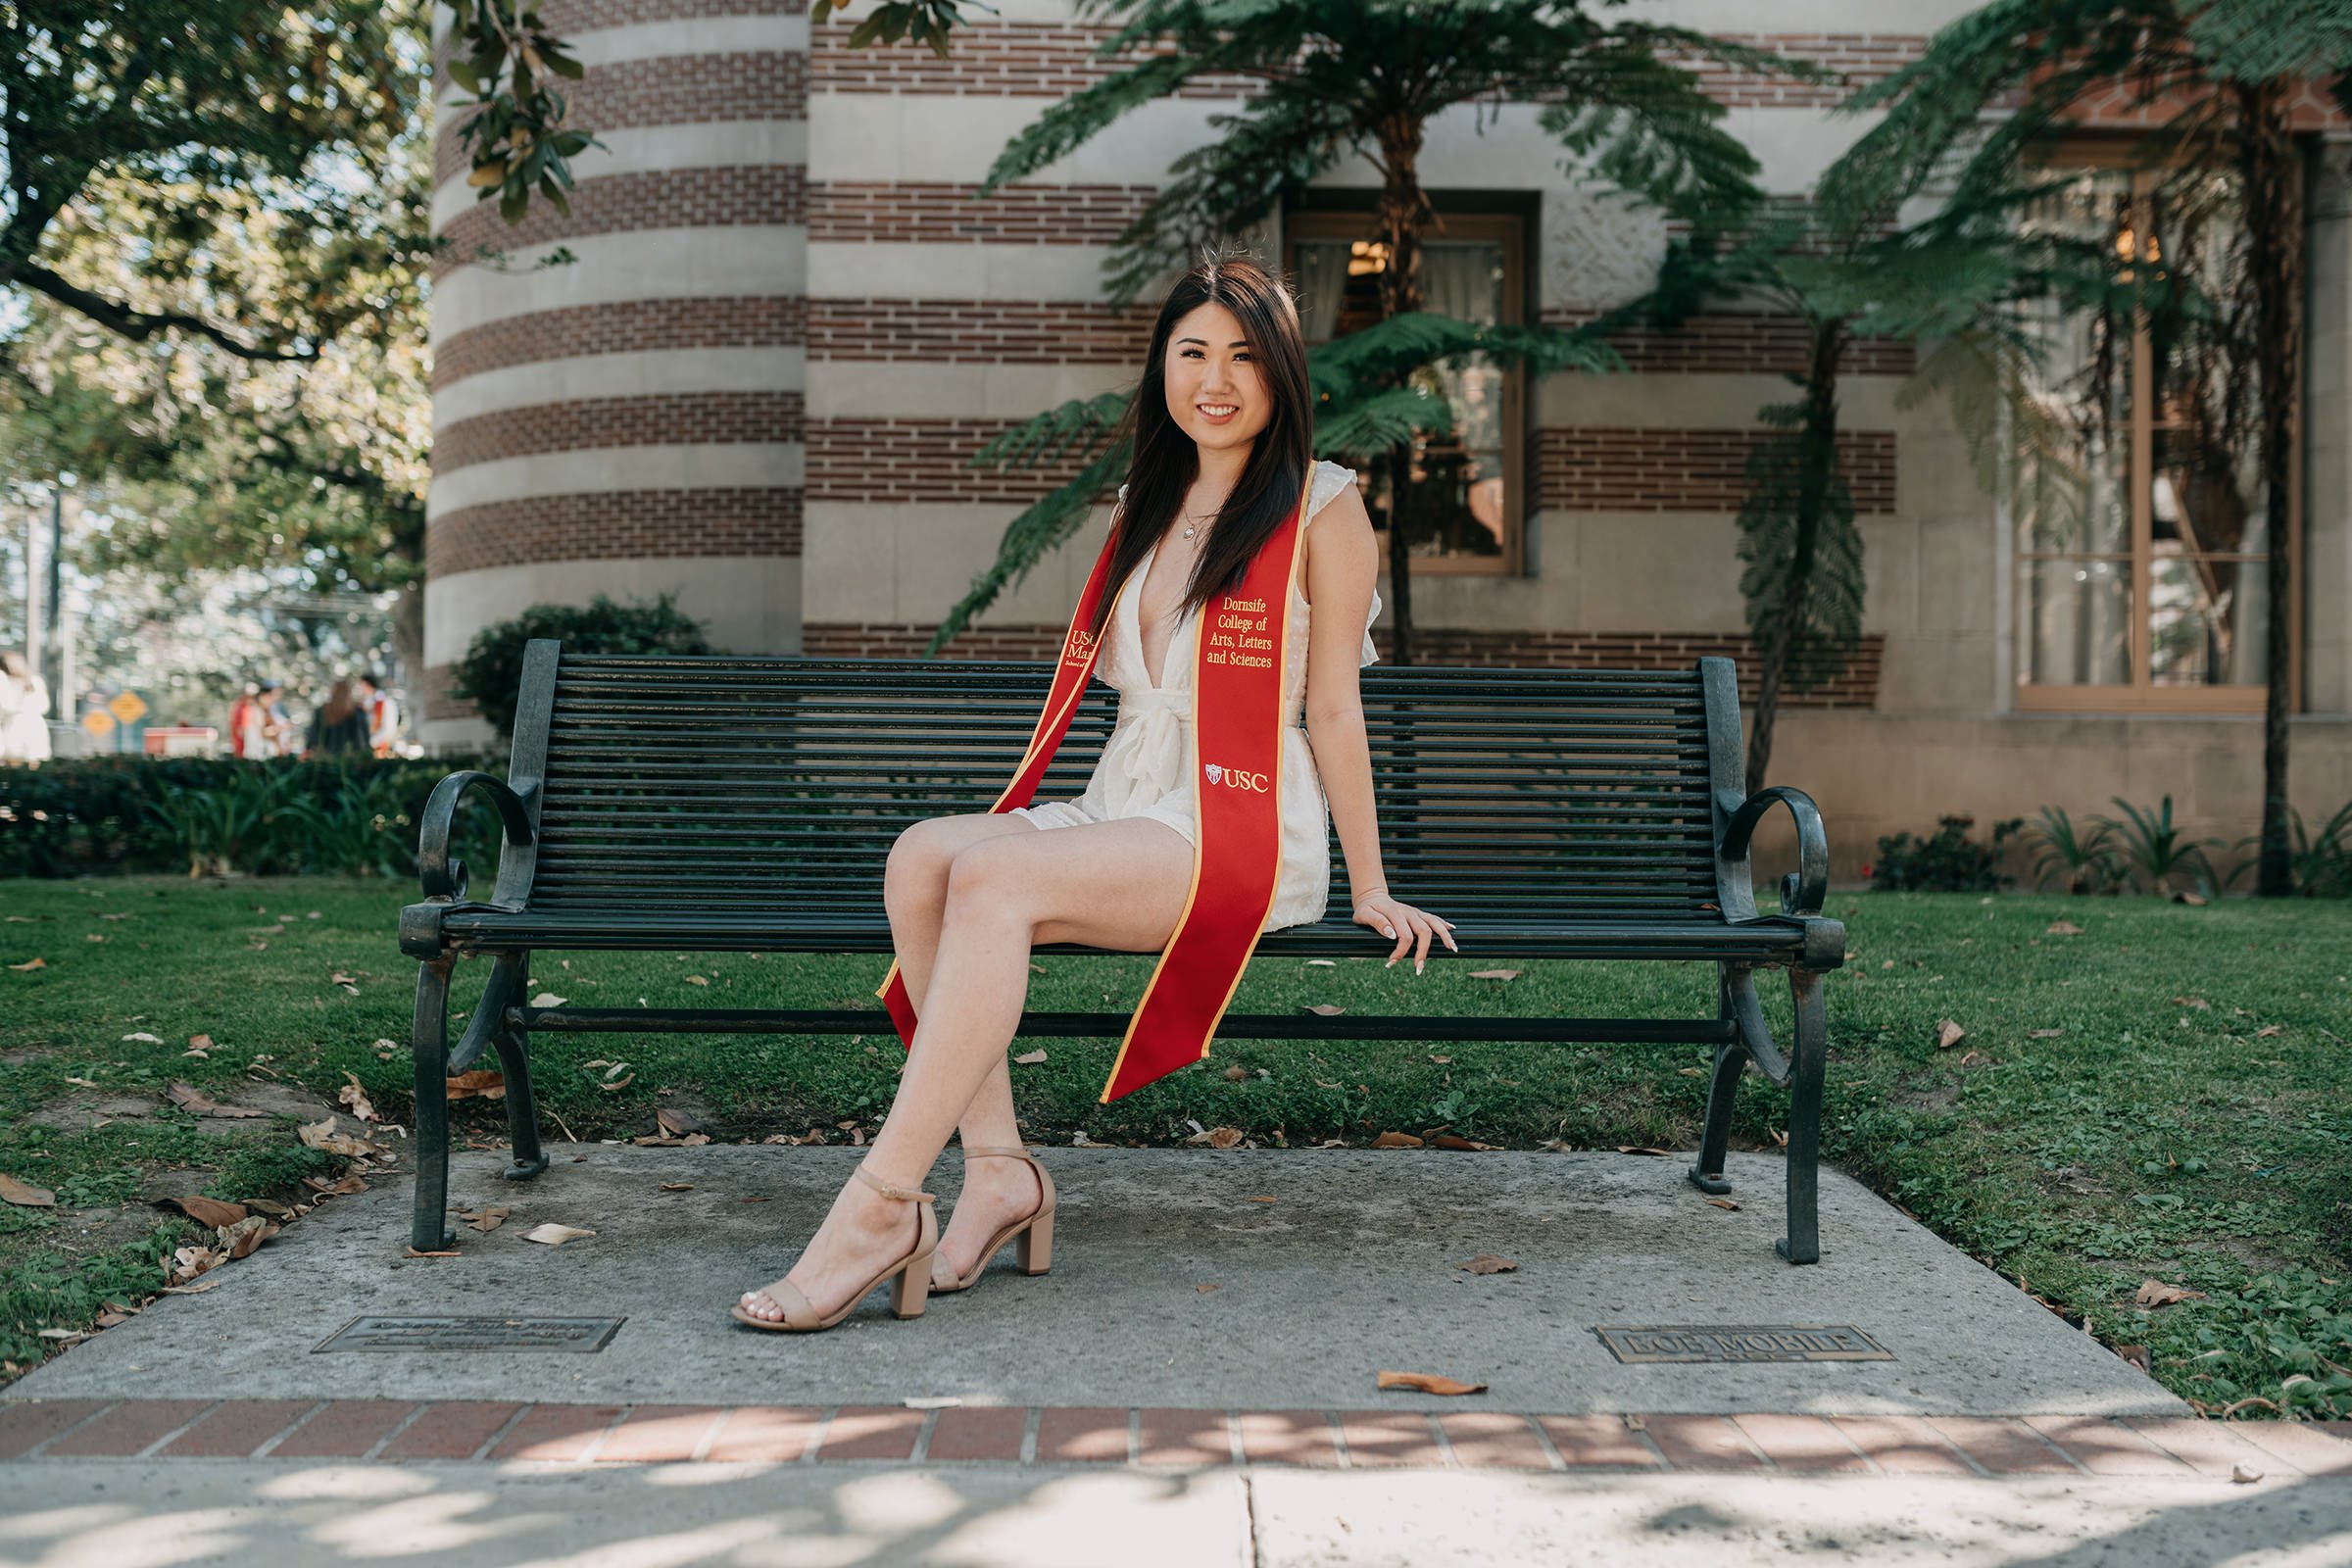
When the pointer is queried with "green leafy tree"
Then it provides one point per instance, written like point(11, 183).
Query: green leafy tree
point(2214, 84)
point(490, 676)
point(1362, 78)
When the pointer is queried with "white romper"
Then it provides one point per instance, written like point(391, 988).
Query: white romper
point(1147, 766)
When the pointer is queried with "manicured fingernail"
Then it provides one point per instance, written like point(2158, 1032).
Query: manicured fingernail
point(1390, 964)
point(1416, 966)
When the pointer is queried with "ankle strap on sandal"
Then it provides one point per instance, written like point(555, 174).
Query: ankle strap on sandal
point(1015, 1151)
point(888, 1191)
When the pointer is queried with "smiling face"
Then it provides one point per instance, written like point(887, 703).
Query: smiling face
point(1215, 394)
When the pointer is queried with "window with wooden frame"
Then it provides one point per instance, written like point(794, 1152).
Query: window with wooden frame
point(1464, 500)
point(2141, 579)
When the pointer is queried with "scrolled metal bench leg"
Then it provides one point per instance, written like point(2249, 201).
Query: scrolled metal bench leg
point(1802, 1244)
point(428, 1228)
point(522, 1109)
point(1731, 1059)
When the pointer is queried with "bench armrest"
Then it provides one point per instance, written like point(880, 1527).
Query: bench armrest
point(443, 877)
point(1801, 892)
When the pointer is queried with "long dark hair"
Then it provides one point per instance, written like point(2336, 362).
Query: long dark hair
point(340, 704)
point(1166, 460)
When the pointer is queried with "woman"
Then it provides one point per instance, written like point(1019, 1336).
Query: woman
point(339, 728)
point(1220, 484)
point(23, 711)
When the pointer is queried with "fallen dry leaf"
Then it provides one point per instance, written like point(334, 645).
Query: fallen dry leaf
point(2241, 1475)
point(1631, 1149)
point(1324, 1010)
point(29, 964)
point(190, 1261)
point(2137, 1355)
point(548, 999)
point(1323, 964)
point(25, 1195)
point(343, 1188)
point(676, 1123)
point(1692, 1072)
point(1489, 1263)
point(1217, 1137)
point(1948, 1034)
point(489, 1217)
point(1495, 974)
point(1455, 1141)
point(1442, 1060)
point(1428, 1383)
point(210, 1213)
point(355, 1098)
point(696, 980)
point(322, 1136)
point(239, 1240)
point(675, 1186)
point(1264, 1199)
point(617, 1083)
point(200, 1042)
point(1396, 1141)
point(1723, 1203)
point(188, 1097)
point(553, 1235)
point(145, 1038)
point(2063, 928)
point(2156, 1293)
point(1206, 1288)
point(1030, 1058)
point(1975, 1058)
point(2047, 1034)
point(2268, 1030)
point(2198, 1002)
point(486, 1082)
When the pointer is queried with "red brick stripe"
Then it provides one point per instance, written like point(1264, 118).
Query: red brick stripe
point(1054, 60)
point(665, 90)
point(1597, 468)
point(978, 331)
point(1739, 343)
point(924, 458)
point(616, 525)
point(568, 19)
point(1486, 647)
point(688, 419)
point(620, 203)
point(942, 213)
point(721, 322)
point(1472, 1439)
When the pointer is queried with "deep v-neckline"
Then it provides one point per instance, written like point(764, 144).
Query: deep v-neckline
point(1143, 574)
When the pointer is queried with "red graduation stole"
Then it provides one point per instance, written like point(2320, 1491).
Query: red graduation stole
point(1240, 652)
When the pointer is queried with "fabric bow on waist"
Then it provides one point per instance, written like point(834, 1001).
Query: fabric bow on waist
point(1148, 749)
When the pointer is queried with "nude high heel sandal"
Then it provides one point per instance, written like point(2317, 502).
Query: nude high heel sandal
point(907, 1292)
point(1036, 1232)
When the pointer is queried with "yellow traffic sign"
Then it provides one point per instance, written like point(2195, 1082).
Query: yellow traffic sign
point(127, 707)
point(98, 721)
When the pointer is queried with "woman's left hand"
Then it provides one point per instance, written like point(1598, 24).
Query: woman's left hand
point(1413, 929)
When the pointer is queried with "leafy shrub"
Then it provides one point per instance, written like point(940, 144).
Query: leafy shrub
point(79, 816)
point(1944, 861)
point(2156, 851)
point(491, 671)
point(2320, 863)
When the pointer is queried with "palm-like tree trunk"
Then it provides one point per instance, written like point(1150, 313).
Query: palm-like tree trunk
point(1817, 459)
point(1403, 210)
point(2273, 204)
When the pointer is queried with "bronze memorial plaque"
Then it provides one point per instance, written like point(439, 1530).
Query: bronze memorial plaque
point(1746, 1342)
point(581, 1336)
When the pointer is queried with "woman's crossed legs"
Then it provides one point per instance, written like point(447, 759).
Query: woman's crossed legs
point(969, 896)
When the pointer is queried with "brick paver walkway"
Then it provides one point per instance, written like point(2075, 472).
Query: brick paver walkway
point(1467, 1439)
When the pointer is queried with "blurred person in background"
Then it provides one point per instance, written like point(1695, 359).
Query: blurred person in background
point(277, 726)
point(23, 711)
point(245, 717)
point(383, 715)
point(339, 728)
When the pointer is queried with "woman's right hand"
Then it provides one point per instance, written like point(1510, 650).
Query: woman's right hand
point(1412, 929)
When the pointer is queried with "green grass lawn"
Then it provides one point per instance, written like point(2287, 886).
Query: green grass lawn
point(2165, 1095)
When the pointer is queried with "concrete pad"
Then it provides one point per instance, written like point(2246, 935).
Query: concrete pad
point(149, 1513)
point(1351, 1270)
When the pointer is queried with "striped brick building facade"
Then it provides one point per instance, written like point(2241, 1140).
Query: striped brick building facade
point(789, 326)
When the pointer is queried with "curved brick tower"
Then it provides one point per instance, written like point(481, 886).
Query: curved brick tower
point(630, 423)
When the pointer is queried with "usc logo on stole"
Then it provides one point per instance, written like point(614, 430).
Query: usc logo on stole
point(1233, 778)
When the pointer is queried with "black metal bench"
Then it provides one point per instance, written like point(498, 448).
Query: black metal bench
point(747, 804)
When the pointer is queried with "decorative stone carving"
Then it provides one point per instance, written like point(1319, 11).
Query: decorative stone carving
point(1601, 249)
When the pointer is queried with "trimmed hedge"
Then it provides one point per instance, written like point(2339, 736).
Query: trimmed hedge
point(113, 815)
